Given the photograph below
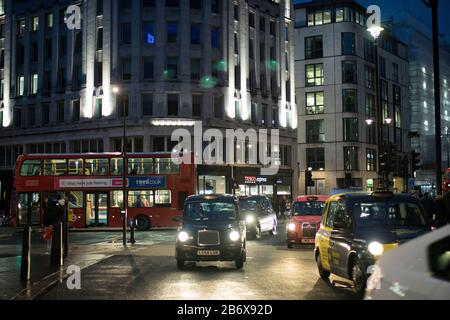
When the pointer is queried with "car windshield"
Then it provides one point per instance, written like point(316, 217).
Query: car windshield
point(209, 210)
point(308, 208)
point(248, 204)
point(389, 214)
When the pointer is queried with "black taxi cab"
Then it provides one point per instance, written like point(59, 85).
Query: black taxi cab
point(211, 229)
point(356, 229)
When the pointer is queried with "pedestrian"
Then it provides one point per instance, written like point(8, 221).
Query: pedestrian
point(50, 218)
point(283, 208)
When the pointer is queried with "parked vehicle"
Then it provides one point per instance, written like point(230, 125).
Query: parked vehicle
point(211, 229)
point(305, 219)
point(259, 215)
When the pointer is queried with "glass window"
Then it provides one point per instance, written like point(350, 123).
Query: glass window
point(166, 166)
point(370, 78)
point(116, 166)
point(314, 75)
point(349, 71)
point(315, 131)
point(348, 43)
point(370, 105)
point(351, 129)
point(55, 167)
point(116, 199)
point(313, 47)
point(195, 33)
point(75, 167)
point(349, 100)
point(371, 159)
point(314, 102)
point(140, 199)
point(96, 167)
point(369, 50)
point(75, 200)
point(172, 32)
point(351, 159)
point(315, 159)
point(147, 104)
point(339, 14)
point(163, 197)
point(395, 72)
point(140, 166)
point(24, 201)
point(30, 168)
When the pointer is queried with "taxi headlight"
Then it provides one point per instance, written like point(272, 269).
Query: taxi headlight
point(376, 248)
point(291, 226)
point(183, 236)
point(250, 218)
point(234, 235)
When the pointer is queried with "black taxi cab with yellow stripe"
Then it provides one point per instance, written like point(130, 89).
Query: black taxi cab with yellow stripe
point(356, 229)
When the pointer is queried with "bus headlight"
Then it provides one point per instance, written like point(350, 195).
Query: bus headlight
point(250, 218)
point(291, 226)
point(376, 248)
point(234, 235)
point(183, 236)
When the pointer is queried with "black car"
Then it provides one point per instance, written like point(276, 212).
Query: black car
point(259, 215)
point(357, 228)
point(211, 230)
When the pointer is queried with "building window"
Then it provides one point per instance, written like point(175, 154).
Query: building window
point(349, 100)
point(349, 72)
point(75, 110)
point(370, 78)
point(172, 32)
point(34, 83)
point(315, 131)
point(313, 47)
point(383, 67)
point(34, 24)
point(148, 67)
point(195, 34)
point(21, 26)
point(315, 159)
point(98, 108)
point(371, 160)
point(195, 69)
point(215, 6)
point(48, 49)
point(17, 117)
point(171, 71)
point(125, 33)
point(251, 19)
point(351, 159)
point(49, 20)
point(395, 72)
point(149, 32)
point(348, 44)
point(31, 115)
point(63, 46)
point(397, 96)
point(369, 51)
point(275, 122)
point(172, 104)
point(125, 4)
point(45, 114)
point(370, 105)
point(314, 103)
point(215, 41)
point(20, 86)
point(126, 68)
point(314, 75)
point(147, 104)
point(218, 107)
point(60, 112)
point(351, 129)
point(385, 99)
point(197, 101)
point(319, 17)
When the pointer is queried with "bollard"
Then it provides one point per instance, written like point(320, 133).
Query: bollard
point(65, 239)
point(25, 265)
point(57, 255)
point(132, 227)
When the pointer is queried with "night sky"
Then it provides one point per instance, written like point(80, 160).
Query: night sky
point(389, 7)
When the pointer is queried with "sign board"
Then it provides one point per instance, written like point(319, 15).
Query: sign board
point(91, 183)
point(147, 182)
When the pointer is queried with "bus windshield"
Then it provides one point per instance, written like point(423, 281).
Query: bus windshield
point(208, 210)
point(309, 208)
point(389, 214)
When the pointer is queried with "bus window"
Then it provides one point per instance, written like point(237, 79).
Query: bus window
point(55, 167)
point(75, 167)
point(140, 166)
point(163, 197)
point(96, 167)
point(29, 202)
point(166, 166)
point(140, 199)
point(75, 199)
point(30, 168)
point(116, 199)
point(116, 166)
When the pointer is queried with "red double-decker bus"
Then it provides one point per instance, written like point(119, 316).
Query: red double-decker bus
point(92, 185)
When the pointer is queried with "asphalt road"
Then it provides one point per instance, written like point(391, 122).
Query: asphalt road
point(148, 271)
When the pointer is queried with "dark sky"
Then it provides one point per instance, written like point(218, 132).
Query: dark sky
point(389, 7)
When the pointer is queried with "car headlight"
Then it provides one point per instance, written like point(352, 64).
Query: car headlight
point(183, 236)
point(291, 226)
point(250, 218)
point(376, 248)
point(234, 235)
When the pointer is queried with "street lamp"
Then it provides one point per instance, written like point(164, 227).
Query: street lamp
point(116, 91)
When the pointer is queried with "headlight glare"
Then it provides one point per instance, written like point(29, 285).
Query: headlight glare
point(183, 236)
point(376, 248)
point(234, 235)
point(291, 226)
point(250, 218)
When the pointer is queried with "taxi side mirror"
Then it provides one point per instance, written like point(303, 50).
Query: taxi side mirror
point(177, 219)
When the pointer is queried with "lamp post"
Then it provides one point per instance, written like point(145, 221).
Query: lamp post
point(375, 29)
point(116, 91)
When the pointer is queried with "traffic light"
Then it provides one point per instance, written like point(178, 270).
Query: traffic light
point(308, 179)
point(415, 160)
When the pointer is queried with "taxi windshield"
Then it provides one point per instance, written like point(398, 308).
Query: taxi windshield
point(248, 204)
point(308, 208)
point(389, 214)
point(209, 210)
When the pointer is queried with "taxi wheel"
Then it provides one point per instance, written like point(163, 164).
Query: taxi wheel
point(239, 262)
point(359, 278)
point(322, 272)
point(180, 264)
point(273, 232)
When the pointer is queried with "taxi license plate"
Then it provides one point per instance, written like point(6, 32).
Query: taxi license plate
point(208, 252)
point(308, 240)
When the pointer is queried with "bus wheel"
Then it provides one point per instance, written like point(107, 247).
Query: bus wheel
point(143, 223)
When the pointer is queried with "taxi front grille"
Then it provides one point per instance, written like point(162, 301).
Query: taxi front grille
point(208, 238)
point(309, 230)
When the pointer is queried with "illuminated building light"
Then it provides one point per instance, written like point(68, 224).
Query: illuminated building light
point(173, 122)
point(208, 82)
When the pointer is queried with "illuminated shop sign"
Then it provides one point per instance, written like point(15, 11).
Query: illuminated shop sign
point(254, 180)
